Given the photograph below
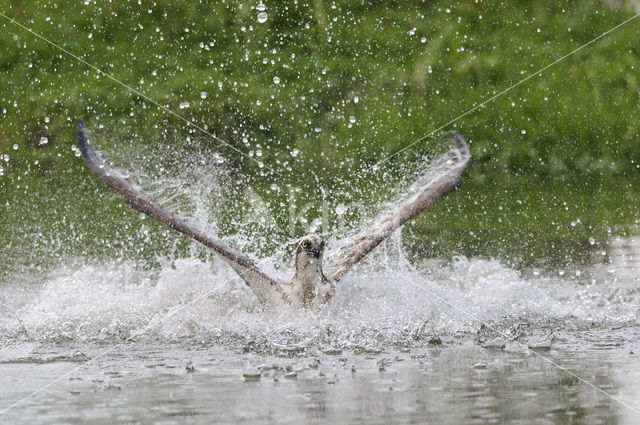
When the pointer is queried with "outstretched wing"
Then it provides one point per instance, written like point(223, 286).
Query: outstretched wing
point(266, 288)
point(446, 180)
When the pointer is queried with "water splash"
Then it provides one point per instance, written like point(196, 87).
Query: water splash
point(386, 301)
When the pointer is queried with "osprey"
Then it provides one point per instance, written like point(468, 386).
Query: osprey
point(309, 288)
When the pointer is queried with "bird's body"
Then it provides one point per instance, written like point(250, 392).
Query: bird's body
point(310, 288)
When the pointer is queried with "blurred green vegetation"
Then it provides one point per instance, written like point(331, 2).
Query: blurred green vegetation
point(342, 85)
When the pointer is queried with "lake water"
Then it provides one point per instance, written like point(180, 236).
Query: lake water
point(404, 342)
point(528, 313)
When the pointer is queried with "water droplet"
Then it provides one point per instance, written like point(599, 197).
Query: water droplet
point(295, 152)
point(46, 120)
point(276, 80)
point(523, 131)
point(341, 209)
point(356, 99)
point(43, 141)
point(218, 158)
point(184, 105)
point(203, 94)
point(262, 17)
point(592, 241)
point(352, 119)
point(423, 40)
point(15, 147)
point(261, 7)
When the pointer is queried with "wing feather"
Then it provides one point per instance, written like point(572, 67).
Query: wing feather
point(265, 287)
point(445, 182)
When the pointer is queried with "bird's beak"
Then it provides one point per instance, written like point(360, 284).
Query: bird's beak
point(316, 251)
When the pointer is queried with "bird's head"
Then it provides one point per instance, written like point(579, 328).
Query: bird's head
point(311, 247)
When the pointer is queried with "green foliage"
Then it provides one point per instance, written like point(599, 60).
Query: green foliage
point(358, 81)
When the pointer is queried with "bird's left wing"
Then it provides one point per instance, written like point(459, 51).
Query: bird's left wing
point(266, 288)
point(447, 178)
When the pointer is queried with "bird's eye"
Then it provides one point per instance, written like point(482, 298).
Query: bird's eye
point(305, 244)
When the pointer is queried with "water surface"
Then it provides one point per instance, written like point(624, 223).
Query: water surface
point(401, 344)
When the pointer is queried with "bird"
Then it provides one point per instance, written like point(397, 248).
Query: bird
point(310, 288)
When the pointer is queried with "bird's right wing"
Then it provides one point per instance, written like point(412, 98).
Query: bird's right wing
point(424, 193)
point(266, 288)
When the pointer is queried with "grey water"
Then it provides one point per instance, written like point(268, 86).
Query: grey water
point(404, 342)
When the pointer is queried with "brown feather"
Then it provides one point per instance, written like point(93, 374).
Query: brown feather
point(428, 195)
point(262, 284)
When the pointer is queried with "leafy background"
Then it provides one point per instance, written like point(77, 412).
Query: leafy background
point(306, 104)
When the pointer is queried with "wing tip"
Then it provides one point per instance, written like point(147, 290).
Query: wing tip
point(461, 145)
point(81, 132)
point(459, 152)
point(94, 159)
point(82, 140)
